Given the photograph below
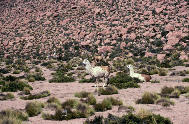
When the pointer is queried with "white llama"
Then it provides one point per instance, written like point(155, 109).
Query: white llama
point(141, 77)
point(97, 72)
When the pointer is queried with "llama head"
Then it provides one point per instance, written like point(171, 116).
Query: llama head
point(86, 62)
point(130, 66)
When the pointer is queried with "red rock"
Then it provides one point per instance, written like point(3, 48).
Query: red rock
point(158, 10)
point(168, 47)
point(161, 57)
point(169, 27)
point(132, 36)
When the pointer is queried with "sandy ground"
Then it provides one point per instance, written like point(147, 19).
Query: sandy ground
point(179, 113)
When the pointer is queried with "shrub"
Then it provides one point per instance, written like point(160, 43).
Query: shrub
point(155, 81)
point(115, 101)
point(31, 79)
point(82, 94)
point(34, 108)
point(11, 115)
point(123, 81)
point(105, 105)
point(108, 90)
point(53, 100)
point(15, 86)
point(26, 90)
point(164, 102)
point(154, 71)
point(36, 96)
point(10, 78)
point(71, 109)
point(175, 94)
point(4, 70)
point(147, 98)
point(185, 80)
point(162, 72)
point(166, 90)
point(182, 89)
point(16, 72)
point(91, 80)
point(60, 76)
point(129, 119)
point(91, 100)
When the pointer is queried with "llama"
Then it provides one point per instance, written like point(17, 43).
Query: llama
point(97, 72)
point(142, 77)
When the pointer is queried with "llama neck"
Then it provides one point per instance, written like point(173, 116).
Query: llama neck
point(131, 71)
point(88, 67)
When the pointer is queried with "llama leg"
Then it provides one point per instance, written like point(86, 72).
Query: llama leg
point(104, 82)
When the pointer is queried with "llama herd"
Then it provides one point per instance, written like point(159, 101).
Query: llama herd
point(98, 72)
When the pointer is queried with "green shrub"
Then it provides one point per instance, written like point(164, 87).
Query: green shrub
point(105, 105)
point(71, 109)
point(26, 90)
point(15, 86)
point(10, 120)
point(108, 90)
point(91, 100)
point(154, 71)
point(162, 72)
point(60, 77)
point(7, 96)
point(82, 94)
point(53, 100)
point(16, 72)
point(115, 101)
point(164, 102)
point(31, 79)
point(166, 90)
point(185, 80)
point(129, 119)
point(155, 81)
point(91, 80)
point(36, 96)
point(123, 81)
point(4, 70)
point(175, 94)
point(35, 77)
point(182, 89)
point(12, 115)
point(10, 78)
point(147, 98)
point(34, 108)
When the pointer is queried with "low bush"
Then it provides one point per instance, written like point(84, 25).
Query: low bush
point(15, 86)
point(108, 90)
point(165, 91)
point(82, 94)
point(71, 109)
point(148, 98)
point(34, 108)
point(4, 70)
point(123, 81)
point(162, 72)
point(7, 96)
point(185, 80)
point(129, 119)
point(36, 96)
point(16, 72)
point(164, 102)
point(91, 80)
point(35, 77)
point(12, 117)
point(155, 81)
point(107, 104)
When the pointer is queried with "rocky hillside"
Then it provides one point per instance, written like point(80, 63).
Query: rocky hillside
point(118, 27)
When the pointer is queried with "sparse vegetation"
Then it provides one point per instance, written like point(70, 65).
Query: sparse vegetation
point(162, 72)
point(164, 102)
point(36, 96)
point(89, 98)
point(15, 86)
point(129, 119)
point(123, 81)
point(108, 90)
point(6, 96)
point(185, 80)
point(148, 98)
point(71, 109)
point(34, 108)
point(12, 117)
point(155, 81)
